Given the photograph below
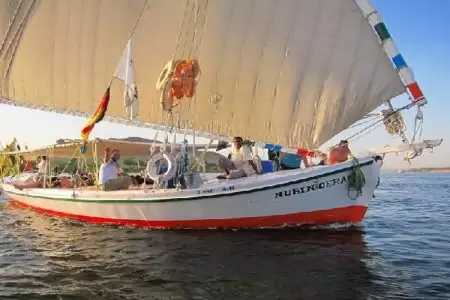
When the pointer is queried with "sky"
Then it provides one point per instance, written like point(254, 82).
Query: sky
point(421, 30)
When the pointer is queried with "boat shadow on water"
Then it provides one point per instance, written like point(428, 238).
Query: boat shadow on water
point(106, 262)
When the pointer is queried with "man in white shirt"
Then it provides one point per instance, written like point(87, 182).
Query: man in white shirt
point(42, 165)
point(240, 164)
point(42, 171)
point(36, 181)
point(111, 176)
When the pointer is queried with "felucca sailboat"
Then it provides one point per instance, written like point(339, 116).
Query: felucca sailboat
point(290, 74)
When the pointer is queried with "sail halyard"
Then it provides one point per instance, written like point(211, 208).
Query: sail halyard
point(14, 16)
point(327, 63)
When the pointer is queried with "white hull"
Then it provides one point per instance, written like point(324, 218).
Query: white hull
point(313, 196)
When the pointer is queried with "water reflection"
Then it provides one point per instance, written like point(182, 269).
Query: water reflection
point(97, 262)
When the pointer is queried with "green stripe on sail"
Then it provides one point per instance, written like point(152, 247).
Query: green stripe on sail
point(382, 31)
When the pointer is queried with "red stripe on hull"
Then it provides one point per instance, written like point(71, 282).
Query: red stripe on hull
point(350, 214)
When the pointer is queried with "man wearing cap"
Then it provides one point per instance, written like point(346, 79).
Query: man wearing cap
point(111, 176)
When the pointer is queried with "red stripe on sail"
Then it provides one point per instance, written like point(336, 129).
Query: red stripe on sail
point(99, 114)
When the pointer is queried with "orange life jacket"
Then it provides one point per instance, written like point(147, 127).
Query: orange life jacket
point(184, 78)
point(337, 155)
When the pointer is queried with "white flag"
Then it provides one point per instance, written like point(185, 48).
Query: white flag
point(125, 73)
point(131, 101)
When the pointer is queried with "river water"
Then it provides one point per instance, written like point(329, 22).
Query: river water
point(400, 251)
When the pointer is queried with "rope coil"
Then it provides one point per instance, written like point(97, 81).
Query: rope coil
point(393, 122)
point(356, 179)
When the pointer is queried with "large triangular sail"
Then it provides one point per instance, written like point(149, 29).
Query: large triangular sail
point(290, 72)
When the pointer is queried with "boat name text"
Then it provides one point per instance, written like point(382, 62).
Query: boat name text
point(311, 187)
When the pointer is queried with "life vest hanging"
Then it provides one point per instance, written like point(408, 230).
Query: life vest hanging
point(184, 79)
point(178, 80)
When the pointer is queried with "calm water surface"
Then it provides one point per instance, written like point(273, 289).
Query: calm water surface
point(401, 251)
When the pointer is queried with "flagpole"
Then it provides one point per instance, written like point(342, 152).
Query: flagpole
point(111, 81)
point(127, 69)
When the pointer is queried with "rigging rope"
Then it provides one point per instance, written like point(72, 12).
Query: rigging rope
point(394, 125)
point(11, 24)
point(197, 41)
point(14, 42)
point(369, 119)
point(356, 179)
point(132, 32)
point(199, 161)
point(185, 45)
point(418, 127)
point(379, 122)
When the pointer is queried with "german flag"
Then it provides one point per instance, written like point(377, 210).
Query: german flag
point(96, 117)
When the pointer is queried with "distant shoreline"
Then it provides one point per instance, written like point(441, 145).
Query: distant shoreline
point(429, 170)
point(447, 170)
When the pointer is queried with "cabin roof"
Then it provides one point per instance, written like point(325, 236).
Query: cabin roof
point(72, 148)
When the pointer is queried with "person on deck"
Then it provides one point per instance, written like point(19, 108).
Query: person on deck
point(36, 181)
point(28, 167)
point(339, 153)
point(42, 165)
point(239, 163)
point(111, 176)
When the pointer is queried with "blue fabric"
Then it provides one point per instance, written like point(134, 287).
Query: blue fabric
point(266, 166)
point(170, 183)
point(291, 160)
point(162, 170)
point(273, 147)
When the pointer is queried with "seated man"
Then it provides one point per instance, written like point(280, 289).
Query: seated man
point(111, 176)
point(62, 182)
point(38, 180)
point(82, 178)
point(240, 162)
point(339, 153)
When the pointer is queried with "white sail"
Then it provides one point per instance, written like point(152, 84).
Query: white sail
point(125, 73)
point(289, 72)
